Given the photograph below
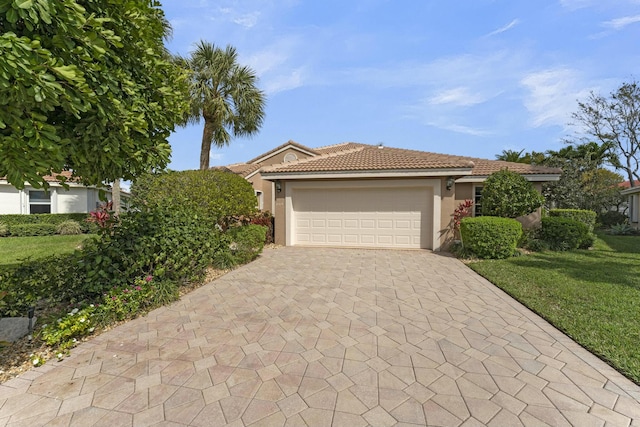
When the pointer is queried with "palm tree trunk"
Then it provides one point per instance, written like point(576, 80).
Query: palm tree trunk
point(207, 137)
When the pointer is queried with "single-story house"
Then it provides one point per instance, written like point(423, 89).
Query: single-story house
point(359, 195)
point(633, 195)
point(77, 198)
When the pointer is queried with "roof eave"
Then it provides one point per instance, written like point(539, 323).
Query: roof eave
point(533, 177)
point(384, 173)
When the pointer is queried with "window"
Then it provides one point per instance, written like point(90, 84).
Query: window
point(39, 202)
point(290, 157)
point(477, 200)
point(260, 200)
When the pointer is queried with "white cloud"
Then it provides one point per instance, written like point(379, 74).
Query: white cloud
point(552, 95)
point(460, 129)
point(502, 29)
point(286, 81)
point(620, 23)
point(459, 96)
point(247, 20)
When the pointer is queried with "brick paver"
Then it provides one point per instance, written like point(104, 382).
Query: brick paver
point(315, 337)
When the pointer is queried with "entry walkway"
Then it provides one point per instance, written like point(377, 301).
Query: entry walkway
point(321, 337)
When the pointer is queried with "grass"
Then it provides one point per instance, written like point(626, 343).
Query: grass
point(15, 249)
point(593, 296)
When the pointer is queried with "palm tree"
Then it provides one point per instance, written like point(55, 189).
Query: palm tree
point(224, 94)
point(510, 156)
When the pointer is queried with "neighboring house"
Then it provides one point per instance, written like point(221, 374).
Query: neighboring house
point(633, 199)
point(77, 198)
point(358, 195)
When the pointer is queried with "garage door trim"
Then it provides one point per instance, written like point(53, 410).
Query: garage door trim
point(433, 184)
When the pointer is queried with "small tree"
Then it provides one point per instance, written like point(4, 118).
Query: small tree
point(509, 195)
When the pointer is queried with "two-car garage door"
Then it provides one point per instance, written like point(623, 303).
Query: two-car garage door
point(361, 215)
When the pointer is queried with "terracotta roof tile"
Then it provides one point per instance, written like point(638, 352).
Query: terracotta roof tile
point(242, 169)
point(290, 142)
point(359, 157)
point(328, 149)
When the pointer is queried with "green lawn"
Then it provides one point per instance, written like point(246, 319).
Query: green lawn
point(591, 295)
point(15, 249)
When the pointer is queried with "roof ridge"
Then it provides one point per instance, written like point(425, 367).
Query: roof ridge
point(320, 156)
point(280, 147)
point(326, 147)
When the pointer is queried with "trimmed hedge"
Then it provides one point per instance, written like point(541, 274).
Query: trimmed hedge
point(25, 230)
point(20, 219)
point(508, 194)
point(490, 237)
point(211, 194)
point(564, 234)
point(13, 220)
point(586, 217)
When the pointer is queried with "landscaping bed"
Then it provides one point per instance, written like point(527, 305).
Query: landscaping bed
point(592, 295)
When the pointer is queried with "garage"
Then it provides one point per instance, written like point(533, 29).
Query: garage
point(380, 214)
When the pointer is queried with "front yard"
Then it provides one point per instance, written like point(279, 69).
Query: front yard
point(591, 295)
point(15, 249)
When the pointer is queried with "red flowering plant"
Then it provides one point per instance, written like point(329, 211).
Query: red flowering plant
point(463, 210)
point(103, 217)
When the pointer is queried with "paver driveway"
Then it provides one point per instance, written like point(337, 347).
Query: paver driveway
point(314, 337)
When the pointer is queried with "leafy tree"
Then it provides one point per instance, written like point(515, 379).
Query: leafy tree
point(585, 183)
point(614, 121)
point(508, 194)
point(86, 86)
point(224, 94)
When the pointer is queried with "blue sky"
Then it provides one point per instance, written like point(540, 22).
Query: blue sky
point(467, 77)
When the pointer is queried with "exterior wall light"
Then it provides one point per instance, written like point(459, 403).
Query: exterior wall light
point(278, 186)
point(450, 182)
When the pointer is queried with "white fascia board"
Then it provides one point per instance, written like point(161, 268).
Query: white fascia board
point(252, 174)
point(286, 147)
point(365, 174)
point(631, 190)
point(531, 178)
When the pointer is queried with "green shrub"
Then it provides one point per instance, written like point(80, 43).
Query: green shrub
point(4, 229)
point(247, 242)
point(211, 194)
point(611, 218)
point(20, 219)
point(509, 195)
point(25, 230)
point(69, 227)
point(586, 217)
point(563, 234)
point(490, 237)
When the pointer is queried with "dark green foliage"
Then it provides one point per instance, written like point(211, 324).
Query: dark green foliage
point(611, 218)
point(586, 217)
point(69, 227)
point(563, 234)
point(17, 219)
point(247, 242)
point(211, 194)
point(32, 230)
point(491, 237)
point(509, 195)
point(85, 86)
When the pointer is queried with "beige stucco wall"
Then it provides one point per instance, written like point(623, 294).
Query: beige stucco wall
point(279, 211)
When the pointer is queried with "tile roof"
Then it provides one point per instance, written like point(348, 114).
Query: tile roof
point(359, 157)
point(54, 178)
point(627, 184)
point(242, 169)
point(328, 149)
point(280, 147)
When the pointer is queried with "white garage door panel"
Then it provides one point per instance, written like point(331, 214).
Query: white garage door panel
point(398, 217)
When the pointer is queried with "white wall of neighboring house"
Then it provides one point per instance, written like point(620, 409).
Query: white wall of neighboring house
point(76, 199)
